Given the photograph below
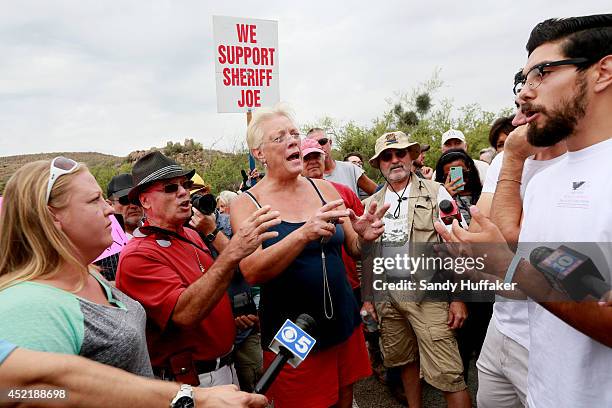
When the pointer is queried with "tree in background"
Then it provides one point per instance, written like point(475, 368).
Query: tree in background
point(418, 114)
point(103, 173)
point(223, 171)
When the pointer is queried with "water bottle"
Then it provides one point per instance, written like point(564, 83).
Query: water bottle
point(370, 324)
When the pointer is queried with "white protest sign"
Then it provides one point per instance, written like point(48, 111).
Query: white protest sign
point(246, 63)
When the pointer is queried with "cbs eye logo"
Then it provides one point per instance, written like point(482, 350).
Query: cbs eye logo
point(289, 335)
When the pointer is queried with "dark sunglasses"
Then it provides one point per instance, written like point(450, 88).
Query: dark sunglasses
point(173, 187)
point(123, 200)
point(323, 141)
point(387, 155)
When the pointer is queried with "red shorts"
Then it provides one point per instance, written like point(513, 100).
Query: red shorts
point(315, 382)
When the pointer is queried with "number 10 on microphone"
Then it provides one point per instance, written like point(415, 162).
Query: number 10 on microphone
point(296, 340)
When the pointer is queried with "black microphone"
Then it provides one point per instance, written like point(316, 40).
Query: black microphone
point(449, 212)
point(245, 178)
point(304, 322)
point(570, 271)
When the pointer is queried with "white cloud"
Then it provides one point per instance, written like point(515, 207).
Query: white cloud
point(119, 76)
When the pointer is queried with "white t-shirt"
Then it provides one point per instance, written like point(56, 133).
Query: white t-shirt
point(395, 237)
point(346, 173)
point(511, 316)
point(483, 169)
point(569, 202)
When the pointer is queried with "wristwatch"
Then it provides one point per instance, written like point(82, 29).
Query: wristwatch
point(184, 398)
point(209, 238)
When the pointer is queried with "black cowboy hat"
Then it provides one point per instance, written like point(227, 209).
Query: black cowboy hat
point(119, 185)
point(151, 168)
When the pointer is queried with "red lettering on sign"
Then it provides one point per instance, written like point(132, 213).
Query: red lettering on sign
point(246, 33)
point(235, 54)
point(264, 56)
point(271, 56)
point(268, 76)
point(249, 98)
point(247, 76)
point(226, 77)
point(222, 57)
point(239, 53)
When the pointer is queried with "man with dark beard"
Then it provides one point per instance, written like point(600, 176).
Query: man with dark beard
point(564, 93)
point(502, 363)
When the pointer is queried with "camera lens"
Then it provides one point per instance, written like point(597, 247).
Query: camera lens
point(206, 203)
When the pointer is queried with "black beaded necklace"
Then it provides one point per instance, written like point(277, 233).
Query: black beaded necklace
point(400, 198)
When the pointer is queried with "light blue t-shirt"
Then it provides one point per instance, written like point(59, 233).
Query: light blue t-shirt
point(41, 317)
point(6, 348)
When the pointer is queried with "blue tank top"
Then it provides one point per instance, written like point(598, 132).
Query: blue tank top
point(300, 289)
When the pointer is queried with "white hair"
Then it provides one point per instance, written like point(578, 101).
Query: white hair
point(226, 197)
point(255, 132)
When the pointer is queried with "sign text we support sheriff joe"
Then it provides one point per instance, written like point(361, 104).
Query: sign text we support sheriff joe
point(246, 63)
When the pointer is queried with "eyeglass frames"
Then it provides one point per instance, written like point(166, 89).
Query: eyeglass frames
point(294, 136)
point(59, 166)
point(534, 77)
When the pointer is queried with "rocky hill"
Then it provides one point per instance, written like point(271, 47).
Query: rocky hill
point(104, 166)
point(10, 164)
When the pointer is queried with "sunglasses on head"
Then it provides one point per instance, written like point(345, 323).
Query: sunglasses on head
point(387, 155)
point(173, 187)
point(323, 141)
point(59, 166)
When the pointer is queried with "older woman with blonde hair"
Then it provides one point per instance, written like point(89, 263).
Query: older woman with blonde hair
point(301, 270)
point(53, 225)
point(224, 201)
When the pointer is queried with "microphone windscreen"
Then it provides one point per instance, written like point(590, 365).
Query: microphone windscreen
point(446, 206)
point(306, 322)
point(539, 254)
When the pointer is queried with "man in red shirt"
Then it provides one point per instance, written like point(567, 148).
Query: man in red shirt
point(169, 270)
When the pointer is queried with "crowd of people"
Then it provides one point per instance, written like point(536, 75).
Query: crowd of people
point(184, 315)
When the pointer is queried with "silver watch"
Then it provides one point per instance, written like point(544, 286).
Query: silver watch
point(183, 398)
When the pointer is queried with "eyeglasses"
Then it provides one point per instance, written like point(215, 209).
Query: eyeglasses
point(59, 166)
point(387, 155)
point(123, 200)
point(534, 77)
point(323, 141)
point(294, 136)
point(173, 187)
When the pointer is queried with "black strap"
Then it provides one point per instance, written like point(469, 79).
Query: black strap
point(253, 197)
point(317, 190)
point(158, 230)
point(203, 367)
point(400, 198)
point(307, 178)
